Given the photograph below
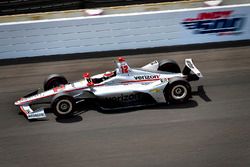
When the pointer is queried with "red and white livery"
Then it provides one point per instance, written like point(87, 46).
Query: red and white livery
point(125, 87)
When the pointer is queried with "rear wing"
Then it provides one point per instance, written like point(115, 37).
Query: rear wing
point(191, 71)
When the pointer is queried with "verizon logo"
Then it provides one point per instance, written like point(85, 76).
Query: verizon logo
point(146, 77)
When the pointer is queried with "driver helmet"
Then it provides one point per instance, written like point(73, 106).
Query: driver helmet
point(108, 74)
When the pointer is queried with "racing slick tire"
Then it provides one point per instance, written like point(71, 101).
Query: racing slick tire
point(169, 66)
point(63, 105)
point(54, 80)
point(178, 92)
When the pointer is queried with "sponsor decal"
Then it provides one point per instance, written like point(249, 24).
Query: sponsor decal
point(125, 98)
point(219, 23)
point(154, 62)
point(146, 77)
point(37, 96)
point(164, 80)
point(124, 68)
point(190, 65)
point(36, 115)
point(155, 90)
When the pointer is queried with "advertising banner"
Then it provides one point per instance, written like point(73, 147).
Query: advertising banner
point(125, 31)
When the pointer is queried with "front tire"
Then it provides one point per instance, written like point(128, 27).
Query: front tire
point(178, 92)
point(53, 81)
point(63, 106)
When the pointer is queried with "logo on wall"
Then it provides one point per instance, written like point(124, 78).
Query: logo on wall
point(219, 23)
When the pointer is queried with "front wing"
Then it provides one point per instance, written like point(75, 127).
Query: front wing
point(37, 114)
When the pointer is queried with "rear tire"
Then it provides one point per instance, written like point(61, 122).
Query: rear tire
point(178, 92)
point(63, 105)
point(53, 81)
point(169, 66)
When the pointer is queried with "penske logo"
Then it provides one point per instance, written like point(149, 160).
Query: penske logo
point(147, 77)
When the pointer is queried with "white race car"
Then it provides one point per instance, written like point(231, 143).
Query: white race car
point(125, 87)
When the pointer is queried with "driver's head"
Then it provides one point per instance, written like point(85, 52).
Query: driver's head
point(108, 74)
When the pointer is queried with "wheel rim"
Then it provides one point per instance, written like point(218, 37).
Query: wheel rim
point(64, 106)
point(179, 92)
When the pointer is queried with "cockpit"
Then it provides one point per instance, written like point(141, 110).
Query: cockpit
point(122, 68)
point(107, 75)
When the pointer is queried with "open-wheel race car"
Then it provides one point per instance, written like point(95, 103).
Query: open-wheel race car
point(125, 87)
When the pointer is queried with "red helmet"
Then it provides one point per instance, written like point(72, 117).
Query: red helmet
point(121, 59)
point(108, 74)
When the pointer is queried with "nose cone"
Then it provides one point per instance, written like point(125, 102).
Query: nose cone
point(18, 102)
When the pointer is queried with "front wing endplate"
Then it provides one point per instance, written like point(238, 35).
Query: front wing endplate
point(37, 114)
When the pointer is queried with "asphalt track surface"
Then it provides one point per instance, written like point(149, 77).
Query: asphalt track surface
point(211, 130)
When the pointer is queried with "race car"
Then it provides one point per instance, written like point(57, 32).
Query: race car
point(124, 87)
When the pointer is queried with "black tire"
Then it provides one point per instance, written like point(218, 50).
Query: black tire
point(178, 92)
point(169, 66)
point(63, 105)
point(53, 81)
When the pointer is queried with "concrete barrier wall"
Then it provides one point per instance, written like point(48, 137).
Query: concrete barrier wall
point(124, 31)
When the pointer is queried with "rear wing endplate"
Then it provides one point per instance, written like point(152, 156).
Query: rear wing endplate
point(190, 67)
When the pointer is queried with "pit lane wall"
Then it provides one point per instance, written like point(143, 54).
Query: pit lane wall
point(124, 31)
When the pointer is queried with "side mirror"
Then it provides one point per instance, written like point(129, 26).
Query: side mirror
point(86, 75)
point(88, 78)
